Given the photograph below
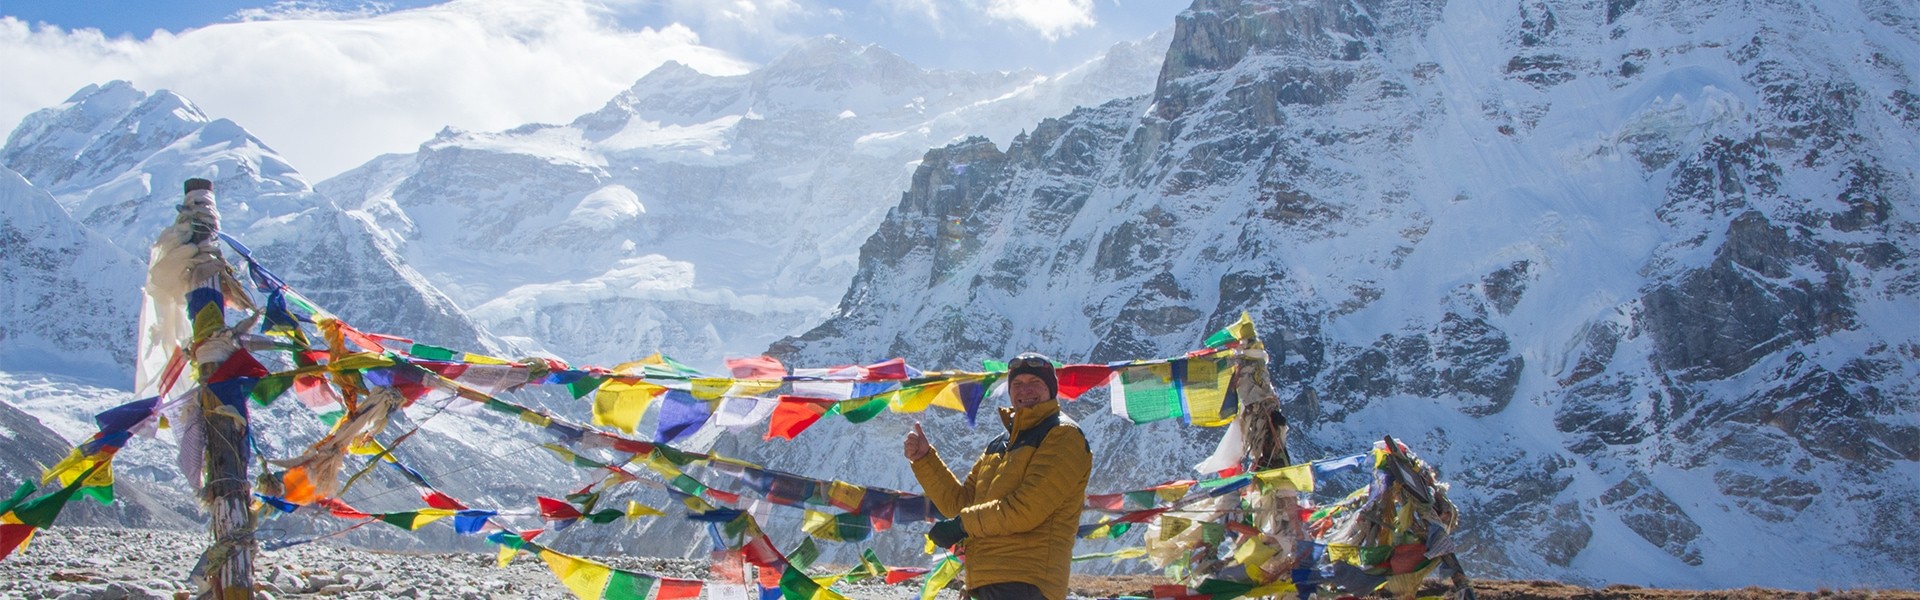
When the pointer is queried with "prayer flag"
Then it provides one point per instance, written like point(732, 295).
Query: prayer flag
point(1146, 393)
point(681, 415)
point(1075, 380)
point(895, 368)
point(621, 403)
point(622, 585)
point(678, 589)
point(1298, 476)
point(1241, 330)
point(1207, 388)
point(938, 578)
point(794, 415)
point(585, 578)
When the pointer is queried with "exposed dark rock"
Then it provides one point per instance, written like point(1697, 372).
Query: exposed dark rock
point(1504, 287)
point(1542, 70)
point(1649, 512)
point(1717, 321)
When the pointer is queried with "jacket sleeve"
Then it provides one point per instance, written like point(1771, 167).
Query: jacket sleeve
point(1057, 476)
point(946, 492)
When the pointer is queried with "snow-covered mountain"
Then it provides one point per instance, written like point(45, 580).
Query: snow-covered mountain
point(700, 215)
point(116, 157)
point(1636, 275)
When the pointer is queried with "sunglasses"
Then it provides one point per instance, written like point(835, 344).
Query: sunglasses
point(1029, 362)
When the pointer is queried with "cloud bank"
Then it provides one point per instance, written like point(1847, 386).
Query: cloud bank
point(330, 93)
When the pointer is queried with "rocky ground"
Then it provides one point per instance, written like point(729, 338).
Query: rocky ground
point(73, 563)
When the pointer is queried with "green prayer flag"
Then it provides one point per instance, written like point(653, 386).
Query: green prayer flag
point(427, 352)
point(403, 520)
point(1224, 589)
point(804, 554)
point(1213, 533)
point(26, 489)
point(623, 585)
point(99, 493)
point(688, 485)
point(606, 516)
point(870, 566)
point(585, 385)
point(1146, 393)
point(868, 411)
point(270, 388)
point(796, 585)
point(40, 512)
point(1141, 498)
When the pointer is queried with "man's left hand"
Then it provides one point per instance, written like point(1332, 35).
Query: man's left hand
point(947, 533)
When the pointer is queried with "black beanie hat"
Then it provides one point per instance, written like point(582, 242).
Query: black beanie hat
point(1037, 365)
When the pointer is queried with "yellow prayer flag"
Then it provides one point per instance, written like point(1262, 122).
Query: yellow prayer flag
point(620, 404)
point(820, 525)
point(845, 496)
point(506, 555)
point(917, 398)
point(482, 359)
point(72, 467)
point(949, 396)
point(1207, 383)
point(1299, 476)
point(709, 388)
point(587, 579)
point(1252, 553)
point(938, 579)
point(1172, 492)
point(753, 387)
point(636, 510)
point(536, 419)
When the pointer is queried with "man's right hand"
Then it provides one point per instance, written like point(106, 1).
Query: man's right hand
point(916, 445)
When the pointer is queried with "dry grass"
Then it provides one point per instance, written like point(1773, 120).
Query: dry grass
point(1139, 585)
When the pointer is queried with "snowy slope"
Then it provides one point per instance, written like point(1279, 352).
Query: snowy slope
point(1635, 274)
point(700, 215)
point(116, 156)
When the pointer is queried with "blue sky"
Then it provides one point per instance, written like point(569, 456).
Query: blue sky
point(330, 84)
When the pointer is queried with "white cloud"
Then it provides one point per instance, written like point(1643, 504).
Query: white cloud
point(330, 93)
point(1052, 18)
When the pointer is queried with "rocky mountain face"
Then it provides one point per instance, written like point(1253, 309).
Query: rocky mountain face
point(1634, 274)
point(703, 216)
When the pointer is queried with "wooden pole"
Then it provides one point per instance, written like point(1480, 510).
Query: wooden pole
point(227, 563)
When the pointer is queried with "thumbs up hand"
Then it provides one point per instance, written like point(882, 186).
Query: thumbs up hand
point(916, 445)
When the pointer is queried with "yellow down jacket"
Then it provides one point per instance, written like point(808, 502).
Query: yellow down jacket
point(1021, 502)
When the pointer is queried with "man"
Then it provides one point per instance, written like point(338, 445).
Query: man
point(1015, 515)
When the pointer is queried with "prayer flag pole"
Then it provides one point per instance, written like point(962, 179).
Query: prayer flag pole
point(225, 570)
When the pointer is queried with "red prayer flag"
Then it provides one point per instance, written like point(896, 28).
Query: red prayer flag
point(239, 364)
point(438, 500)
point(1075, 380)
point(794, 415)
point(759, 367)
point(12, 535)
point(1107, 502)
point(891, 369)
point(900, 574)
point(341, 509)
point(556, 510)
point(678, 589)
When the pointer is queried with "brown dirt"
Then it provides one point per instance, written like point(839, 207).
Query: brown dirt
point(1138, 585)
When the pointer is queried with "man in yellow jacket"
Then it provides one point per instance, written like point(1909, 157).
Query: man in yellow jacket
point(1015, 515)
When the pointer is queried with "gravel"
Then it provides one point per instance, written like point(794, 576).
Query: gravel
point(71, 563)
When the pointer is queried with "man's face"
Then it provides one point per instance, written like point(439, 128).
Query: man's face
point(1027, 390)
